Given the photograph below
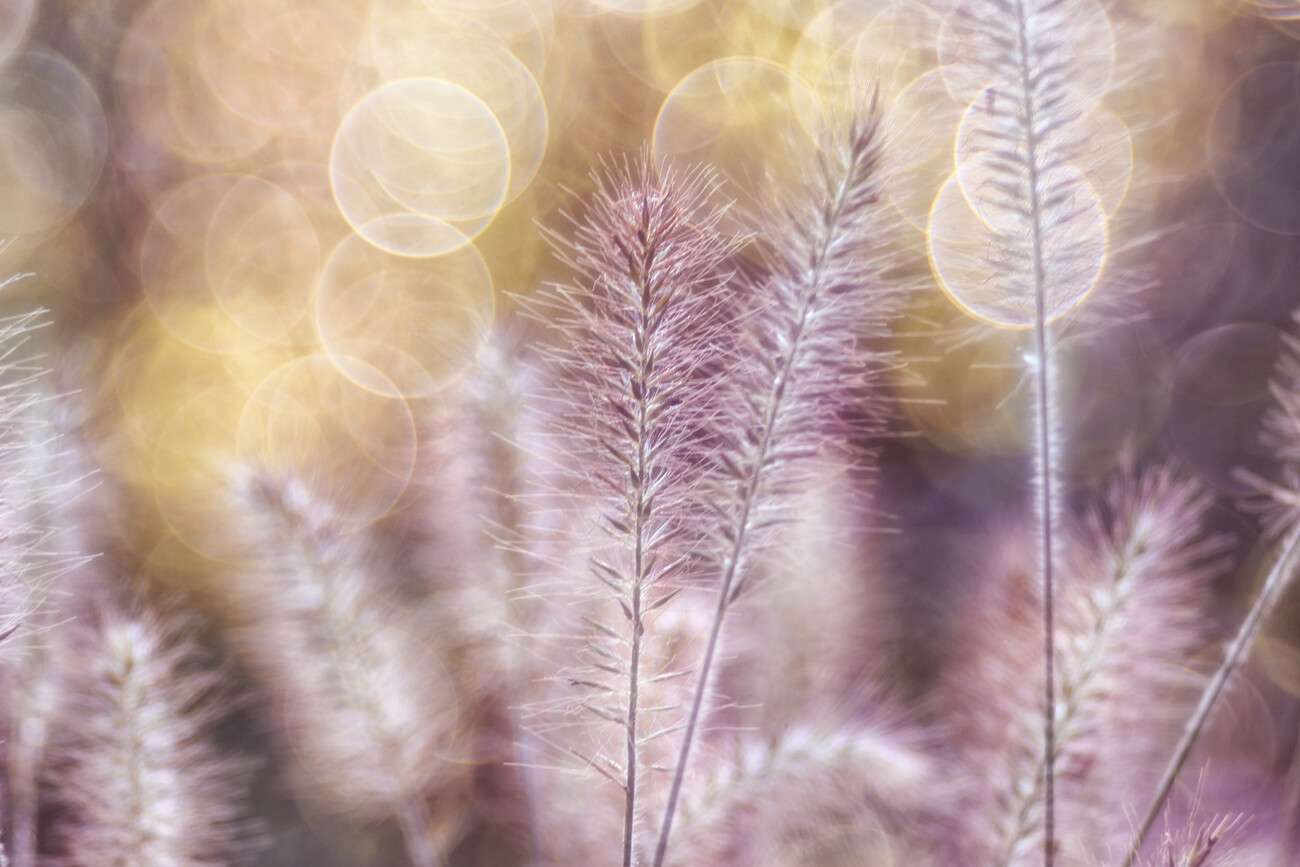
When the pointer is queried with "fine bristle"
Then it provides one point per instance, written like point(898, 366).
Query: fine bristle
point(637, 383)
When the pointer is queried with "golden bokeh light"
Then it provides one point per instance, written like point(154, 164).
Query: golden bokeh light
point(279, 64)
point(754, 117)
point(645, 8)
point(361, 180)
point(415, 322)
point(228, 303)
point(420, 152)
point(662, 49)
point(167, 99)
point(868, 43)
point(418, 45)
point(964, 228)
point(525, 27)
point(195, 451)
point(351, 447)
point(261, 255)
point(53, 140)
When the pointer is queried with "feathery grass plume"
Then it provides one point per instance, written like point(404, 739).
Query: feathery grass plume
point(28, 490)
point(805, 357)
point(1280, 510)
point(1207, 846)
point(1044, 227)
point(367, 707)
point(1133, 613)
point(133, 761)
point(1280, 506)
point(637, 375)
point(582, 810)
point(815, 763)
point(481, 508)
point(490, 438)
point(814, 639)
point(42, 476)
point(1133, 588)
point(819, 795)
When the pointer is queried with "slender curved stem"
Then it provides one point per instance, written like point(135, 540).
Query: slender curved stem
point(1274, 584)
point(778, 396)
point(1044, 440)
point(640, 509)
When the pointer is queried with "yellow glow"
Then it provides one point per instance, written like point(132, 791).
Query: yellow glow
point(416, 322)
point(420, 151)
point(967, 230)
point(753, 116)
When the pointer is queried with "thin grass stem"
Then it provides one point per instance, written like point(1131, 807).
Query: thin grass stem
point(1274, 584)
point(1044, 444)
point(846, 194)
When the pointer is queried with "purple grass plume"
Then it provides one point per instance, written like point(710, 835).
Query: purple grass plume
point(1028, 76)
point(644, 340)
point(1135, 580)
point(366, 704)
point(806, 357)
point(1280, 509)
point(1279, 505)
point(818, 795)
point(134, 764)
point(43, 482)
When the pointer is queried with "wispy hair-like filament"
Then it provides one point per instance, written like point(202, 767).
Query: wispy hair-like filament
point(1133, 596)
point(642, 335)
point(807, 349)
point(42, 475)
